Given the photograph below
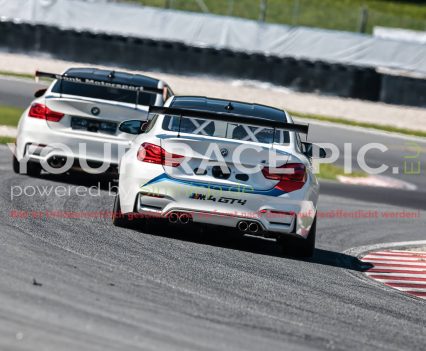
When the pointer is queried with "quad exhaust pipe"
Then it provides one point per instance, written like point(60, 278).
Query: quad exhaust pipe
point(243, 226)
point(173, 217)
point(182, 218)
point(253, 227)
point(248, 227)
point(57, 161)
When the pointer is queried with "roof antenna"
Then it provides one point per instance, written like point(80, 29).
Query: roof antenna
point(229, 107)
point(111, 75)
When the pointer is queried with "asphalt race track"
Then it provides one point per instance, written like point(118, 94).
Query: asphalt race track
point(81, 283)
point(110, 288)
point(17, 92)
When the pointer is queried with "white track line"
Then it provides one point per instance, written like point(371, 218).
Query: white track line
point(408, 289)
point(396, 254)
point(394, 260)
point(405, 263)
point(405, 251)
point(401, 267)
point(402, 282)
point(403, 275)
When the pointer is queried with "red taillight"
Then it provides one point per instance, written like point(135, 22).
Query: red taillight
point(43, 112)
point(152, 153)
point(291, 176)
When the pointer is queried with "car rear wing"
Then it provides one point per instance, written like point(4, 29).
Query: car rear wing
point(99, 82)
point(230, 117)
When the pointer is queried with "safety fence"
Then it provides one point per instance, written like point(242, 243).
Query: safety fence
point(137, 53)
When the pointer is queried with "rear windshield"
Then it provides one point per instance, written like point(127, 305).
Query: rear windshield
point(104, 93)
point(242, 132)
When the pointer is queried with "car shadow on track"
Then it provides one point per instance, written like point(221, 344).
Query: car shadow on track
point(213, 236)
point(227, 239)
point(101, 181)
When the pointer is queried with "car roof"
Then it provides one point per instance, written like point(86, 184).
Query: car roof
point(114, 76)
point(231, 106)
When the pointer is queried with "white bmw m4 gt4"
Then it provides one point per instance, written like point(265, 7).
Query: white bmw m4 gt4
point(222, 163)
point(74, 122)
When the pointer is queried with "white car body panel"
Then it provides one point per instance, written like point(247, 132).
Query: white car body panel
point(139, 180)
point(100, 147)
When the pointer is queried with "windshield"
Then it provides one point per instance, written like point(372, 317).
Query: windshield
point(229, 130)
point(103, 92)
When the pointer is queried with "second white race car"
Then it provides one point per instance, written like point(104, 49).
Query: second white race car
point(74, 122)
point(223, 163)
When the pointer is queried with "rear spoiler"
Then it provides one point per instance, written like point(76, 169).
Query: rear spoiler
point(91, 81)
point(230, 117)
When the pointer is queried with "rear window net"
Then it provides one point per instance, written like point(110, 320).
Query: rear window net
point(222, 129)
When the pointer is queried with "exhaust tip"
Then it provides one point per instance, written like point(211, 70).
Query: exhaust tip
point(253, 227)
point(184, 218)
point(173, 217)
point(243, 226)
point(57, 161)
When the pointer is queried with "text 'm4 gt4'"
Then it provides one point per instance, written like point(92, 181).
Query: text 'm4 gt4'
point(222, 163)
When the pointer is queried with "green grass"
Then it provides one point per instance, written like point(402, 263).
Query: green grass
point(6, 140)
point(17, 75)
point(386, 128)
point(330, 172)
point(9, 116)
point(330, 14)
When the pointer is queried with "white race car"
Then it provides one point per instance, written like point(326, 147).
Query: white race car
point(74, 122)
point(223, 163)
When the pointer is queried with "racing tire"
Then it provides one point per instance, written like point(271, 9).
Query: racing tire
point(15, 165)
point(299, 247)
point(124, 220)
point(33, 168)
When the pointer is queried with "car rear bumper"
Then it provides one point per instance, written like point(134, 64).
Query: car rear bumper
point(38, 143)
point(278, 215)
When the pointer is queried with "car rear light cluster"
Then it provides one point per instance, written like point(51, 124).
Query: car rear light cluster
point(43, 112)
point(291, 176)
point(152, 153)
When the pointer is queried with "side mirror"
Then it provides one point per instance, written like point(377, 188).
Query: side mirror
point(40, 93)
point(322, 153)
point(144, 127)
point(311, 150)
point(132, 127)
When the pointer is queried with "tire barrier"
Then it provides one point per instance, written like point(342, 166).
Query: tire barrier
point(403, 90)
point(172, 57)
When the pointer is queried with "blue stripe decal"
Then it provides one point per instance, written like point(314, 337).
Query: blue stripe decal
point(231, 188)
